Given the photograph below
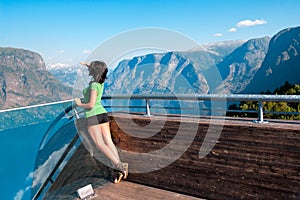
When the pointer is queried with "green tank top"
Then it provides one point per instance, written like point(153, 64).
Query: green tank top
point(98, 108)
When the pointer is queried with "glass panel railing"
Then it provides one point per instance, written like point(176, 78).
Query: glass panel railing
point(57, 145)
point(24, 116)
point(21, 131)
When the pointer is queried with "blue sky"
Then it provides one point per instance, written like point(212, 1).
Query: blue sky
point(66, 31)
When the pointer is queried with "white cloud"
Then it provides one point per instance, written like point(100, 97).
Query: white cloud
point(60, 51)
point(87, 51)
point(232, 30)
point(39, 175)
point(19, 195)
point(218, 35)
point(247, 22)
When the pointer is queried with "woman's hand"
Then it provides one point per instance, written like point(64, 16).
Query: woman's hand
point(85, 63)
point(77, 101)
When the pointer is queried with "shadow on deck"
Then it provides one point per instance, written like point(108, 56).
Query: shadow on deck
point(248, 160)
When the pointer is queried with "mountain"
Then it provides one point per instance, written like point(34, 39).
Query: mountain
point(25, 81)
point(65, 73)
point(251, 66)
point(281, 64)
point(172, 72)
point(239, 67)
point(219, 48)
point(157, 73)
point(207, 55)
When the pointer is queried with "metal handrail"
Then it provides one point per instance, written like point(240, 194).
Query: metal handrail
point(260, 98)
point(215, 97)
point(35, 106)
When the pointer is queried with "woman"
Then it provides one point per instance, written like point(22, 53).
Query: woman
point(97, 118)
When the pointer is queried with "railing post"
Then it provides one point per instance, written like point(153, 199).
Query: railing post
point(260, 113)
point(148, 108)
point(76, 113)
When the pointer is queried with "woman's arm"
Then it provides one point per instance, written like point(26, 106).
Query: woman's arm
point(85, 63)
point(90, 104)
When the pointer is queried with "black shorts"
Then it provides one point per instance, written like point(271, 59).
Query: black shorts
point(97, 119)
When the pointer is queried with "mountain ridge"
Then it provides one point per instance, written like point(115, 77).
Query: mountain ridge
point(158, 73)
point(238, 68)
point(281, 63)
point(25, 81)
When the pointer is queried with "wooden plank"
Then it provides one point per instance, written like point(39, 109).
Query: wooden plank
point(128, 190)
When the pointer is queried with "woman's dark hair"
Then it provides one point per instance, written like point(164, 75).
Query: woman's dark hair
point(98, 71)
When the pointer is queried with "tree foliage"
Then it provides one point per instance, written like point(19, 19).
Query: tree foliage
point(272, 110)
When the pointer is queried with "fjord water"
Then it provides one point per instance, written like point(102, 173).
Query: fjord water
point(18, 150)
point(21, 133)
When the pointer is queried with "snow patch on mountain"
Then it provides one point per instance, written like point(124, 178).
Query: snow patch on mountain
point(214, 47)
point(51, 66)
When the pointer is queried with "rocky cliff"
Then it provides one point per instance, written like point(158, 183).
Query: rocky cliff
point(24, 80)
point(239, 68)
point(281, 64)
point(208, 55)
point(163, 73)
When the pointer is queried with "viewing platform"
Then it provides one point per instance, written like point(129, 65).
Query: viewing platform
point(248, 161)
point(202, 155)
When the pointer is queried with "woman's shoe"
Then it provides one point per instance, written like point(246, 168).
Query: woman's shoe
point(123, 168)
point(118, 178)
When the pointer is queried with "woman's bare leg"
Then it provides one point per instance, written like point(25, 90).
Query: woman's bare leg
point(102, 138)
point(107, 138)
point(98, 137)
point(105, 129)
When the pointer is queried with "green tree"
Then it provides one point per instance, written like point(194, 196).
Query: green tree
point(281, 110)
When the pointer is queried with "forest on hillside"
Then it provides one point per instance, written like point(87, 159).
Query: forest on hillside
point(272, 110)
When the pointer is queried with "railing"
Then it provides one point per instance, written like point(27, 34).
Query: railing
point(201, 97)
point(215, 97)
point(57, 165)
point(147, 106)
point(48, 134)
point(31, 114)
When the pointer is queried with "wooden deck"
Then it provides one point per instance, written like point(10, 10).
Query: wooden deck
point(249, 161)
point(84, 169)
point(127, 190)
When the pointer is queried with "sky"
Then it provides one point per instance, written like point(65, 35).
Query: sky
point(67, 31)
